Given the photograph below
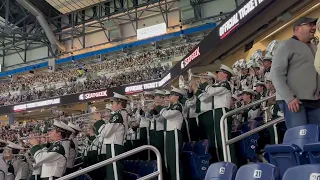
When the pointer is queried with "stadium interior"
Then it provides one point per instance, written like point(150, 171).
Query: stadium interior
point(64, 60)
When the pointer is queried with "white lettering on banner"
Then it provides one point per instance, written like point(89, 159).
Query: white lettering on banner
point(165, 79)
point(151, 31)
point(190, 58)
point(233, 22)
point(93, 95)
point(147, 86)
point(36, 104)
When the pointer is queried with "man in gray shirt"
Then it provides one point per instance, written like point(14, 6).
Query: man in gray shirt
point(295, 78)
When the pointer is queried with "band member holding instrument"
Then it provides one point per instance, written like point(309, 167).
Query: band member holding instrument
point(112, 135)
point(73, 147)
point(53, 160)
point(204, 110)
point(17, 164)
point(173, 142)
point(157, 125)
point(3, 164)
point(221, 92)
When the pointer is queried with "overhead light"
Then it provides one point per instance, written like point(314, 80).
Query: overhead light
point(292, 20)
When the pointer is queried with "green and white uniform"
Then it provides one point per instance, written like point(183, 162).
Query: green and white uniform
point(221, 92)
point(173, 141)
point(52, 161)
point(112, 135)
point(156, 132)
point(190, 107)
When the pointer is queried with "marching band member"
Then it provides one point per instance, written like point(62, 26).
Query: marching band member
point(73, 147)
point(112, 135)
point(166, 98)
point(267, 62)
point(3, 164)
point(144, 125)
point(204, 110)
point(190, 106)
point(157, 125)
point(221, 92)
point(53, 160)
point(261, 90)
point(173, 141)
point(17, 166)
point(250, 113)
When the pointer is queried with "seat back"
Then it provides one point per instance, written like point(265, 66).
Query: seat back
point(221, 171)
point(201, 147)
point(188, 146)
point(302, 135)
point(143, 169)
point(258, 171)
point(309, 171)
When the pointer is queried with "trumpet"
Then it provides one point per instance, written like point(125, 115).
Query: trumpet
point(34, 137)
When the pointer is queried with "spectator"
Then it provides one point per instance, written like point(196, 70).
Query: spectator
point(317, 58)
point(295, 79)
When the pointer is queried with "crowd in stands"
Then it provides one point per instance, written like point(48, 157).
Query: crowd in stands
point(110, 72)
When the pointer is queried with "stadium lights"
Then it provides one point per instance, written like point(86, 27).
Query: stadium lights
point(292, 20)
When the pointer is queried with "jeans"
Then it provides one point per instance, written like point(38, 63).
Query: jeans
point(306, 115)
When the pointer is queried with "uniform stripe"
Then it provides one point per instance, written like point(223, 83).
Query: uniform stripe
point(176, 142)
point(215, 138)
point(165, 149)
point(148, 139)
point(114, 164)
point(187, 126)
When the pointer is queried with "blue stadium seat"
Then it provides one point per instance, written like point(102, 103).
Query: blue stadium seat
point(249, 144)
point(308, 172)
point(196, 163)
point(188, 146)
point(130, 176)
point(84, 177)
point(147, 168)
point(291, 152)
point(261, 171)
point(313, 150)
point(221, 171)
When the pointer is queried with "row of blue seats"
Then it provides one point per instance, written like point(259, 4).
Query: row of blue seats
point(301, 145)
point(134, 169)
point(195, 159)
point(261, 171)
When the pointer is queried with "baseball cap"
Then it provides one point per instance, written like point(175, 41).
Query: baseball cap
point(303, 20)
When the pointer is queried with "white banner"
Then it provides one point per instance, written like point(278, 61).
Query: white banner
point(152, 31)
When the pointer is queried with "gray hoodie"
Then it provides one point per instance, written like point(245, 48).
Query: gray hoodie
point(293, 73)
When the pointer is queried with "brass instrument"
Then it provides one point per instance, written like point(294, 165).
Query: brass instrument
point(34, 137)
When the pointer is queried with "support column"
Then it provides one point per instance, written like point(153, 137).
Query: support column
point(11, 119)
point(52, 64)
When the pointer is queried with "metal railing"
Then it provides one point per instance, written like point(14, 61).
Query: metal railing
point(158, 173)
point(224, 127)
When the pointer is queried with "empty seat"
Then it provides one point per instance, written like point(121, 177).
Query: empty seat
point(308, 172)
point(290, 153)
point(196, 163)
point(261, 171)
point(147, 168)
point(313, 150)
point(221, 171)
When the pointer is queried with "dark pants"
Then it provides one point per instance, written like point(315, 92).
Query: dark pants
point(305, 116)
point(194, 129)
point(173, 146)
point(115, 169)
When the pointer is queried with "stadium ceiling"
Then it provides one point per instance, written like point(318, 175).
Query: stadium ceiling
point(67, 6)
point(69, 20)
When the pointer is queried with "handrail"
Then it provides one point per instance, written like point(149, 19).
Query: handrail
point(255, 130)
point(119, 157)
point(224, 126)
